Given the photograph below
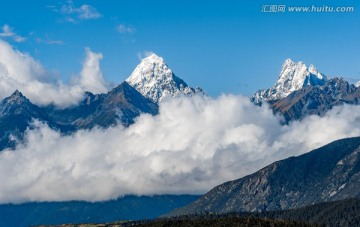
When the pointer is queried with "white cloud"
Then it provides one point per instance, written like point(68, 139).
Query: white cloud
point(73, 13)
point(91, 78)
point(124, 29)
point(20, 71)
point(192, 145)
point(7, 32)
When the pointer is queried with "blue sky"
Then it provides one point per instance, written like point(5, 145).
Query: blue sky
point(222, 46)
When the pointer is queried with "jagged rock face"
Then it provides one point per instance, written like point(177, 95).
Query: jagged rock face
point(156, 81)
point(293, 77)
point(120, 105)
point(302, 91)
point(316, 100)
point(16, 115)
point(329, 173)
point(151, 82)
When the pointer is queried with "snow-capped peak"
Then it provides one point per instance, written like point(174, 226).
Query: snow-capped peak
point(150, 68)
point(154, 58)
point(156, 81)
point(293, 76)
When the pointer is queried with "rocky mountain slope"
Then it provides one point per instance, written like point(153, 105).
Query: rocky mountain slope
point(152, 81)
point(156, 81)
point(329, 173)
point(16, 115)
point(120, 105)
point(316, 100)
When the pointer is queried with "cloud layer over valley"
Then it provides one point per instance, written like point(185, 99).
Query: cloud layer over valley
point(192, 145)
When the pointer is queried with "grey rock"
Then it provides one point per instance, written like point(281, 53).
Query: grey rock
point(16, 115)
point(317, 100)
point(121, 105)
point(329, 173)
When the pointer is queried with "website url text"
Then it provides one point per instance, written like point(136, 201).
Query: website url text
point(306, 9)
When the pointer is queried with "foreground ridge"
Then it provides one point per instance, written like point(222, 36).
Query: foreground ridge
point(328, 173)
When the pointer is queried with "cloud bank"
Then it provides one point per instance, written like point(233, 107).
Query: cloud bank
point(20, 71)
point(192, 145)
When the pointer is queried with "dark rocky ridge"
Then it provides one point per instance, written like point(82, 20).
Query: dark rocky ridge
point(16, 115)
point(316, 100)
point(121, 105)
point(329, 173)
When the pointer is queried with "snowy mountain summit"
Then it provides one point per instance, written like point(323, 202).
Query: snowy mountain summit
point(156, 81)
point(293, 76)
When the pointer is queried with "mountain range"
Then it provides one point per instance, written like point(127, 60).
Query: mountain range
point(76, 212)
point(301, 91)
point(329, 173)
point(151, 82)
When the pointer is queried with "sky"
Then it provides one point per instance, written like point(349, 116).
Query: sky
point(222, 46)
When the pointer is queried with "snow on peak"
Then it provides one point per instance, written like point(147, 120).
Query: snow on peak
point(357, 84)
point(316, 73)
point(288, 62)
point(156, 81)
point(293, 76)
point(154, 58)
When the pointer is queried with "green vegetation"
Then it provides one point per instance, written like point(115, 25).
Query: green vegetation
point(231, 221)
point(206, 220)
point(339, 213)
point(344, 213)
